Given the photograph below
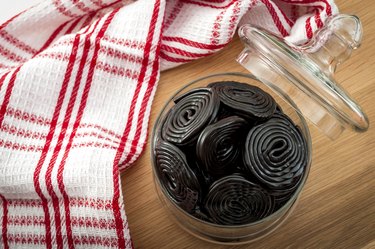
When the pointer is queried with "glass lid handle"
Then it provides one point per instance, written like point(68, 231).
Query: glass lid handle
point(334, 43)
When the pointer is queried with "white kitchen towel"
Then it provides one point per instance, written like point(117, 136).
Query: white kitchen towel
point(77, 79)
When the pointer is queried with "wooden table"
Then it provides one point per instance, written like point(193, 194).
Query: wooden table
point(337, 206)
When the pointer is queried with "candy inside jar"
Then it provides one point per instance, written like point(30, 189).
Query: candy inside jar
point(227, 155)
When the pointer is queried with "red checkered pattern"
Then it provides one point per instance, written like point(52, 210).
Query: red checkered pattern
point(77, 78)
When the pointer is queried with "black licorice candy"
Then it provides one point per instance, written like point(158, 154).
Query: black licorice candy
point(276, 153)
point(245, 99)
point(223, 139)
point(176, 176)
point(233, 200)
point(245, 156)
point(192, 112)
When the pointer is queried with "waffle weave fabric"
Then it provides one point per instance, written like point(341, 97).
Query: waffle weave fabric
point(77, 79)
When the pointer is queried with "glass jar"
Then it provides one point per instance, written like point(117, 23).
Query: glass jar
point(301, 81)
point(219, 233)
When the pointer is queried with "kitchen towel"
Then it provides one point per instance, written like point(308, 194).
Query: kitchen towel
point(77, 79)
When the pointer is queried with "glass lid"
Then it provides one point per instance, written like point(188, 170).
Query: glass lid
point(305, 74)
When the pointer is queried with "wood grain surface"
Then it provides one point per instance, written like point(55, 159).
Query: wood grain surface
point(337, 206)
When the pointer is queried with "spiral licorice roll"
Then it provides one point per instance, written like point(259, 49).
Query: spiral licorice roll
point(219, 145)
point(245, 99)
point(276, 153)
point(233, 200)
point(192, 112)
point(175, 175)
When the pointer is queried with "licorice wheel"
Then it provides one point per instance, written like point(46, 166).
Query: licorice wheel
point(245, 99)
point(176, 176)
point(188, 117)
point(233, 200)
point(276, 154)
point(219, 145)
